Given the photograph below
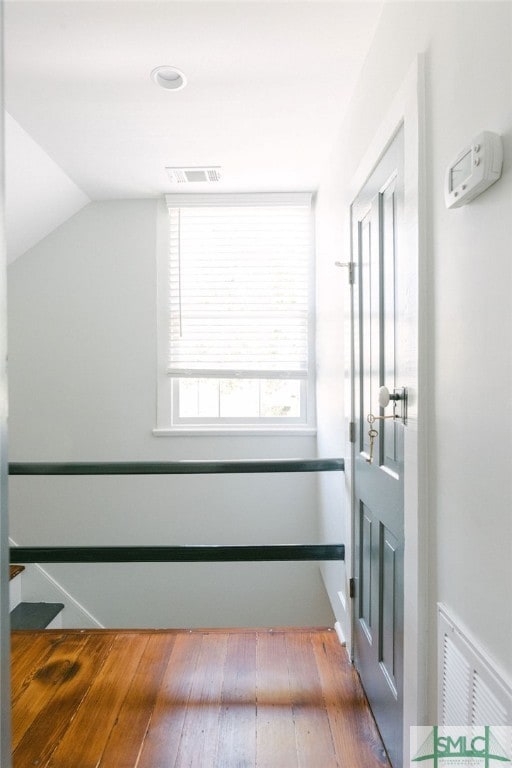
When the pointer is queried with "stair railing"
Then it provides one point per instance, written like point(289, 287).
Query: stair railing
point(186, 552)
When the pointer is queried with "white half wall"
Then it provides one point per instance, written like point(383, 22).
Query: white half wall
point(39, 196)
point(82, 325)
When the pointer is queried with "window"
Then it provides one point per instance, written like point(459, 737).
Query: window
point(236, 343)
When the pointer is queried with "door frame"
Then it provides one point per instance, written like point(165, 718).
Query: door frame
point(407, 108)
point(5, 639)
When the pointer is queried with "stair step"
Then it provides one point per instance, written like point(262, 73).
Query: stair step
point(15, 570)
point(34, 615)
point(15, 585)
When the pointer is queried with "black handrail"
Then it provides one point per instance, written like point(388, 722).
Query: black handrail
point(186, 467)
point(186, 553)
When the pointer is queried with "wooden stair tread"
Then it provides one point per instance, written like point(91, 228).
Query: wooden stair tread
point(34, 615)
point(15, 570)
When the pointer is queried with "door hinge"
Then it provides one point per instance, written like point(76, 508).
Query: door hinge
point(352, 588)
point(350, 265)
point(352, 432)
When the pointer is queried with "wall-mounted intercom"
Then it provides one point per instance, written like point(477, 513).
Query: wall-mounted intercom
point(474, 169)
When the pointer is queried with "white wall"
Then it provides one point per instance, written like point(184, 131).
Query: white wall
point(332, 353)
point(82, 324)
point(34, 182)
point(468, 49)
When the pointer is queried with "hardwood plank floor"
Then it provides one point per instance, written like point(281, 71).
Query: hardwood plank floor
point(202, 699)
point(276, 727)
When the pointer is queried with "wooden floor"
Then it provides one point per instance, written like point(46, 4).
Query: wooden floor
point(206, 699)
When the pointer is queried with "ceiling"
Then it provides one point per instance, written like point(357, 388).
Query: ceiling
point(268, 83)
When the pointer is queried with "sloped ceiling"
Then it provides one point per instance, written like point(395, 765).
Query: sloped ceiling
point(39, 195)
point(268, 84)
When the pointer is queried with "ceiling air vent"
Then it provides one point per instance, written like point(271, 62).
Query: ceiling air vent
point(194, 175)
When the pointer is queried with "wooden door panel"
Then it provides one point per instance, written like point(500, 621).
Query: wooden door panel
point(365, 332)
point(390, 450)
point(366, 575)
point(378, 484)
point(389, 568)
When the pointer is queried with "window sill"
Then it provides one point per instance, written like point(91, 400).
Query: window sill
point(216, 431)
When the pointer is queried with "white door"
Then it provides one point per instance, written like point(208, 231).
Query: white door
point(377, 224)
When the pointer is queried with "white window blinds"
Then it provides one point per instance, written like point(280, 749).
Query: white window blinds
point(239, 289)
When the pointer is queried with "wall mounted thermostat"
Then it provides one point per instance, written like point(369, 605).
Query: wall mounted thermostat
point(474, 169)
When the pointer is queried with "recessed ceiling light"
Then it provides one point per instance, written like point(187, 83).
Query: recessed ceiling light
point(169, 77)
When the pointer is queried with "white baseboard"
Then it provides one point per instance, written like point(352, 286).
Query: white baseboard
point(38, 585)
point(339, 632)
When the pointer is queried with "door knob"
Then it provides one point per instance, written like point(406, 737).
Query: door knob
point(385, 396)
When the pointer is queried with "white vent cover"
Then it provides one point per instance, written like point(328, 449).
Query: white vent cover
point(471, 690)
point(193, 175)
